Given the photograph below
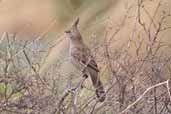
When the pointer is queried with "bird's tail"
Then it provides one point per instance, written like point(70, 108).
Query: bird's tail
point(100, 92)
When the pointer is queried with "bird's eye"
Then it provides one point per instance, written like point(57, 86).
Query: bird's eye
point(67, 31)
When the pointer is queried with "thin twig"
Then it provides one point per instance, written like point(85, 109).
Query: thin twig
point(39, 37)
point(2, 37)
point(168, 89)
point(93, 108)
point(67, 93)
point(135, 102)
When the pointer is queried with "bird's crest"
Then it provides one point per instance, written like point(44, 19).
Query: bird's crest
point(76, 22)
point(74, 26)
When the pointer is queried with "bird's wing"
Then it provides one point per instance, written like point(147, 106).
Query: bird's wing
point(91, 63)
point(84, 57)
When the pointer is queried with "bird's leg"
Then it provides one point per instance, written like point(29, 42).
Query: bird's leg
point(84, 73)
point(85, 76)
point(84, 70)
point(85, 65)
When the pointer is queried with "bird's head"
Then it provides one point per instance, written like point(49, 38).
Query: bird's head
point(73, 32)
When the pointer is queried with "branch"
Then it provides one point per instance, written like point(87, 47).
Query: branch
point(2, 37)
point(33, 68)
point(79, 85)
point(148, 89)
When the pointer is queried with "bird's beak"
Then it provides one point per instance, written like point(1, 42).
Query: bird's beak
point(67, 31)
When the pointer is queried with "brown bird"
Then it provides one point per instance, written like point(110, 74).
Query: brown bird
point(80, 56)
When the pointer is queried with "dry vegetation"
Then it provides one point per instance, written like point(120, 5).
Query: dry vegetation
point(137, 82)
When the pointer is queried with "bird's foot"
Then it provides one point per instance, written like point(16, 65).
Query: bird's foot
point(85, 76)
point(101, 95)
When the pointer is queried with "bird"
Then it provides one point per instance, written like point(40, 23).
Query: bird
point(80, 56)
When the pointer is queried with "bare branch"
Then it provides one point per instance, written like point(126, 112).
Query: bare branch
point(140, 97)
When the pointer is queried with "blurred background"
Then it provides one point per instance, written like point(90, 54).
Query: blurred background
point(130, 39)
point(30, 18)
point(33, 16)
